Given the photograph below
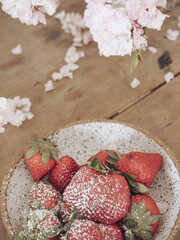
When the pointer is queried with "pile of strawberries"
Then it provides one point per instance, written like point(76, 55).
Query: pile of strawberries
point(103, 200)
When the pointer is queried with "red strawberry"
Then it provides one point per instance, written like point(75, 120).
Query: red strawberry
point(63, 172)
point(65, 212)
point(103, 198)
point(44, 195)
point(142, 165)
point(84, 230)
point(52, 222)
point(143, 219)
point(39, 224)
point(104, 155)
point(111, 232)
point(40, 157)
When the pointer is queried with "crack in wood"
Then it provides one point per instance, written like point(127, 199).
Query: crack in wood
point(140, 99)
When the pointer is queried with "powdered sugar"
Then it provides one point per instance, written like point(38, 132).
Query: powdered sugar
point(84, 229)
point(89, 192)
point(46, 195)
point(111, 232)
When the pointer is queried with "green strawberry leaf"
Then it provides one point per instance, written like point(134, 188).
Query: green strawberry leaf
point(46, 146)
point(112, 155)
point(111, 161)
point(23, 235)
point(141, 207)
point(19, 236)
point(144, 235)
point(146, 215)
point(45, 155)
point(139, 222)
point(28, 144)
point(130, 223)
point(153, 219)
point(35, 204)
point(36, 139)
point(139, 188)
point(149, 228)
point(32, 151)
point(94, 163)
point(54, 154)
point(74, 214)
point(129, 235)
point(50, 231)
point(127, 175)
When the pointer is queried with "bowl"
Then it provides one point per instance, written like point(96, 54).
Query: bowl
point(82, 140)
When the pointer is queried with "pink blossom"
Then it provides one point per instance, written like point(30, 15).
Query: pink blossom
point(110, 28)
point(87, 37)
point(139, 38)
point(146, 12)
point(29, 11)
point(3, 122)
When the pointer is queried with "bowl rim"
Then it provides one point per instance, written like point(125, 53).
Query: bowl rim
point(6, 180)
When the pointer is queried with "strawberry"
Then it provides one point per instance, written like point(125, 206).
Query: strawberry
point(44, 195)
point(40, 157)
point(99, 197)
point(142, 220)
point(65, 212)
point(63, 172)
point(142, 165)
point(111, 232)
point(39, 224)
point(103, 156)
point(84, 230)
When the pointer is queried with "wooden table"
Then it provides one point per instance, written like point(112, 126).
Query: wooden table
point(100, 88)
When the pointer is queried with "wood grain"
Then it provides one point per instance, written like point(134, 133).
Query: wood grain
point(100, 87)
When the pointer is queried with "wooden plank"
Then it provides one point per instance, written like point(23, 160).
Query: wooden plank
point(159, 113)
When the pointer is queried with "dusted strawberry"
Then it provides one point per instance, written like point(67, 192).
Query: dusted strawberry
point(40, 157)
point(143, 219)
point(142, 165)
point(99, 197)
point(84, 230)
point(111, 232)
point(103, 156)
point(44, 195)
point(63, 172)
point(39, 224)
point(65, 212)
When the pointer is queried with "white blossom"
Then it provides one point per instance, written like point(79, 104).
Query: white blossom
point(135, 83)
point(49, 86)
point(172, 34)
point(152, 49)
point(17, 50)
point(168, 77)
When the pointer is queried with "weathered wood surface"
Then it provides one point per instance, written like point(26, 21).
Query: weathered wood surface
point(100, 87)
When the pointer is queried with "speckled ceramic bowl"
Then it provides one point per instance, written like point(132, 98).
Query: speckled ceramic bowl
point(81, 141)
